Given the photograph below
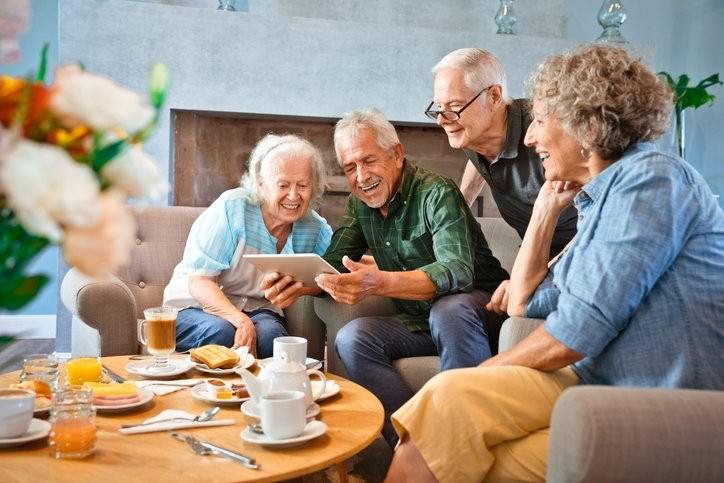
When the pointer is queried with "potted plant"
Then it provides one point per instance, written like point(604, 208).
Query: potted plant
point(686, 96)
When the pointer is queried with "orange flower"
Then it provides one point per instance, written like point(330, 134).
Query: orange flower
point(12, 91)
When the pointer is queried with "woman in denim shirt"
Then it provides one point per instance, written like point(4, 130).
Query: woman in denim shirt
point(636, 299)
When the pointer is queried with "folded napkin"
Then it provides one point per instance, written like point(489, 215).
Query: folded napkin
point(164, 425)
point(161, 388)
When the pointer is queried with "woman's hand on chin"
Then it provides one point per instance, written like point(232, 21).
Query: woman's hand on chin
point(555, 196)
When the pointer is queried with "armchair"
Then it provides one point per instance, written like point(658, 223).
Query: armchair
point(106, 313)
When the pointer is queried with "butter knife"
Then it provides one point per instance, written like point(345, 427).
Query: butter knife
point(113, 375)
point(243, 459)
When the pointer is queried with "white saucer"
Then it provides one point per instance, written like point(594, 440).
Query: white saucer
point(38, 429)
point(309, 360)
point(249, 408)
point(199, 392)
point(247, 362)
point(312, 430)
point(330, 389)
point(43, 410)
point(144, 396)
point(142, 368)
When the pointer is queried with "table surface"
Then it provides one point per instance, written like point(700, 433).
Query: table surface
point(354, 419)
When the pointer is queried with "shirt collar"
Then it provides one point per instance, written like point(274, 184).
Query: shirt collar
point(513, 131)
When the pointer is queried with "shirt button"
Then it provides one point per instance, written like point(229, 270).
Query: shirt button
point(142, 284)
point(580, 217)
point(387, 243)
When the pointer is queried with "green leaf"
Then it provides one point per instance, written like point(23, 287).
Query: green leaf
point(19, 291)
point(104, 155)
point(43, 63)
point(159, 85)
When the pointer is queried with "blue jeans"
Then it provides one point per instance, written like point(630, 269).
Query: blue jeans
point(195, 328)
point(459, 327)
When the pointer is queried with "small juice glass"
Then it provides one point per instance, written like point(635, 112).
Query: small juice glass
point(73, 423)
point(83, 369)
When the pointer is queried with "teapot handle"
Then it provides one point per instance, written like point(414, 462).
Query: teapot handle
point(323, 387)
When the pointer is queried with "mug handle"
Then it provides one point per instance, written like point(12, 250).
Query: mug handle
point(142, 332)
point(314, 372)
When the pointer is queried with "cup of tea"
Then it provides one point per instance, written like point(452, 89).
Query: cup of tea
point(158, 334)
point(16, 412)
point(83, 369)
point(295, 347)
point(40, 367)
point(283, 414)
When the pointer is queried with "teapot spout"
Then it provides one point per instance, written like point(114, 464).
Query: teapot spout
point(253, 385)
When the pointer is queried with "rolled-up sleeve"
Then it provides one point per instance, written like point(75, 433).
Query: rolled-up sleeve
point(544, 300)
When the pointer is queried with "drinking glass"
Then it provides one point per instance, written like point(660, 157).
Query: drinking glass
point(40, 367)
point(158, 334)
point(83, 369)
point(73, 423)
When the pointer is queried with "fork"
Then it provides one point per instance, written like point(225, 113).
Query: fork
point(203, 448)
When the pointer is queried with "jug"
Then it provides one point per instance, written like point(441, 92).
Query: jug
point(283, 375)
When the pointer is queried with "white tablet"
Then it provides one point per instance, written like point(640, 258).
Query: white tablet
point(302, 266)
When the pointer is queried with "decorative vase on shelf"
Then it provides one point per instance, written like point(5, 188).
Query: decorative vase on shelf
point(505, 18)
point(611, 15)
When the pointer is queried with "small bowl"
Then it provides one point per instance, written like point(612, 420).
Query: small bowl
point(217, 386)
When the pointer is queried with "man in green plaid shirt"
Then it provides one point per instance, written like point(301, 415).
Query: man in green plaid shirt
point(431, 259)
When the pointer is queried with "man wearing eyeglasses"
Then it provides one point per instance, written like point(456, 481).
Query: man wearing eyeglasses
point(472, 105)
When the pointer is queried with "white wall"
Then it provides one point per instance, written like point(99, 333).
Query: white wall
point(688, 40)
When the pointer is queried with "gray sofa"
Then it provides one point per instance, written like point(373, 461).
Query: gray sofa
point(598, 433)
point(106, 312)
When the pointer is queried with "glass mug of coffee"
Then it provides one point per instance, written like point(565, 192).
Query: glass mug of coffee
point(158, 334)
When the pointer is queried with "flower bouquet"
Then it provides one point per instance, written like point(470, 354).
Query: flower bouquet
point(70, 156)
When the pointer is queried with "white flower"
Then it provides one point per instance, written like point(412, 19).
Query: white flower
point(104, 246)
point(46, 188)
point(83, 98)
point(134, 172)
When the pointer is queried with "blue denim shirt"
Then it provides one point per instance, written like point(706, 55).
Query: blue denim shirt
point(640, 292)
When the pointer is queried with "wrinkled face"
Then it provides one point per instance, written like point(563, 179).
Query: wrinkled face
point(451, 93)
point(373, 173)
point(558, 150)
point(286, 187)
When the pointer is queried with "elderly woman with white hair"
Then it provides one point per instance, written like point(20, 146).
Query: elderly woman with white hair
point(217, 293)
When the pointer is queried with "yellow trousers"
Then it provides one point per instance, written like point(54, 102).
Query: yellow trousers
point(484, 423)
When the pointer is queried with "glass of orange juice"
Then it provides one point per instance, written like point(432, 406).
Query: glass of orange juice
point(73, 423)
point(83, 369)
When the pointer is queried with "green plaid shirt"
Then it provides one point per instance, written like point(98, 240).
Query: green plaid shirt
point(428, 227)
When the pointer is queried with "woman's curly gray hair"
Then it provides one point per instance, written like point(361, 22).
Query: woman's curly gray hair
point(604, 98)
point(273, 147)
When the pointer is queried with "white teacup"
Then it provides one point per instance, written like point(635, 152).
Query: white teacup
point(16, 412)
point(295, 347)
point(283, 414)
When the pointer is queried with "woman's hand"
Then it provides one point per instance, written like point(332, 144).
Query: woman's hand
point(283, 291)
point(555, 196)
point(499, 300)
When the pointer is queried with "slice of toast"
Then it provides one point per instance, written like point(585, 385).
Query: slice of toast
point(215, 356)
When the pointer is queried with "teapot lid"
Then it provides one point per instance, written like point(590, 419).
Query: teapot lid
point(283, 364)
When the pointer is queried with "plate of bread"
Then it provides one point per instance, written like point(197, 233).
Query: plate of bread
point(118, 396)
point(43, 395)
point(217, 359)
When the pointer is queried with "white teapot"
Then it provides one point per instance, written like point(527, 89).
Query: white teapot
point(282, 375)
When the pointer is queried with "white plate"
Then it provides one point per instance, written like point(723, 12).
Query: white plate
point(317, 365)
point(199, 392)
point(249, 408)
point(38, 429)
point(247, 362)
point(312, 430)
point(142, 368)
point(42, 411)
point(144, 395)
point(330, 389)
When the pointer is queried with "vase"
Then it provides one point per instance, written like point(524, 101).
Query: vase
point(611, 15)
point(680, 133)
point(505, 18)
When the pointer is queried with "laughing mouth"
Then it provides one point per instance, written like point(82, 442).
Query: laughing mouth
point(369, 187)
point(290, 207)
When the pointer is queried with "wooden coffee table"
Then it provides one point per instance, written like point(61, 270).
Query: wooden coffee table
point(354, 419)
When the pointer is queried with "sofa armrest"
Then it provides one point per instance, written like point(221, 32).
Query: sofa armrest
point(335, 315)
point(603, 433)
point(302, 321)
point(514, 330)
point(105, 305)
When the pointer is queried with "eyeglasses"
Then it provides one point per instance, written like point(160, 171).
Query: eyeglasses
point(451, 115)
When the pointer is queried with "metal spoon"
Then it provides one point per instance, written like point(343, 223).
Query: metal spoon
point(205, 416)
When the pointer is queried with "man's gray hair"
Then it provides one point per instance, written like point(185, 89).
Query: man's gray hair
point(272, 148)
point(482, 69)
point(370, 118)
